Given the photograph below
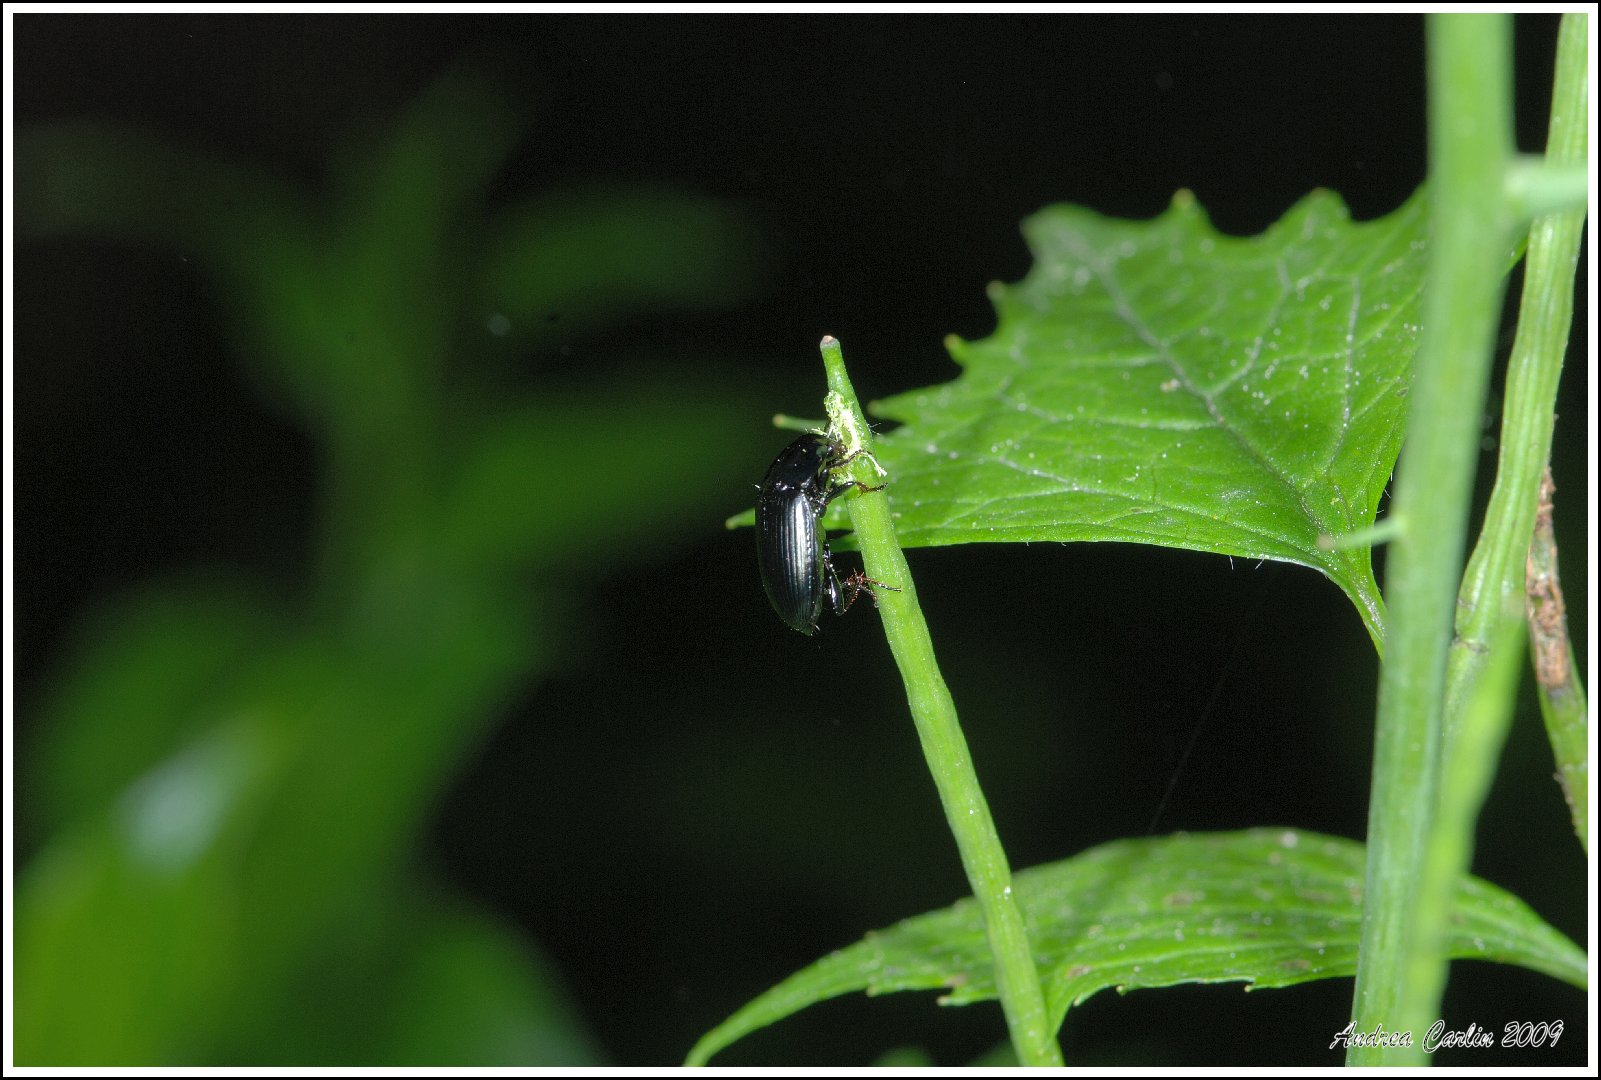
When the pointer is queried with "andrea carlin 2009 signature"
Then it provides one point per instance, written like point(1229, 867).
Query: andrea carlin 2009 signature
point(1439, 1037)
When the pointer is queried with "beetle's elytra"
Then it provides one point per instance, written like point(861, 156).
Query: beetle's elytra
point(791, 544)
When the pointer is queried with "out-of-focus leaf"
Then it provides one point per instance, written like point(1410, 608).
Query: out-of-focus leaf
point(413, 978)
point(336, 324)
point(1157, 382)
point(305, 787)
point(128, 938)
point(559, 265)
point(281, 769)
point(408, 185)
point(124, 183)
point(1266, 907)
point(347, 313)
point(607, 476)
point(141, 679)
point(473, 993)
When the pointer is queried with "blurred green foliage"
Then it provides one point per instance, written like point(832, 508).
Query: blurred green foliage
point(229, 784)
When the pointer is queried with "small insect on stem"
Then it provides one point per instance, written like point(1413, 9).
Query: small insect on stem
point(791, 544)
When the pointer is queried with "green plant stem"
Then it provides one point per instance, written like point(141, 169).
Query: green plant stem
point(1470, 761)
point(785, 422)
point(1380, 532)
point(1495, 576)
point(1537, 186)
point(933, 711)
point(1469, 86)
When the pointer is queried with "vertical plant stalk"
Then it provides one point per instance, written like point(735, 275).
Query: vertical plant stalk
point(1486, 656)
point(1562, 697)
point(1495, 578)
point(1470, 145)
point(934, 713)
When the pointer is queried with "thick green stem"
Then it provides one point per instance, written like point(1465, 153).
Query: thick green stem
point(1470, 144)
point(1495, 577)
point(934, 713)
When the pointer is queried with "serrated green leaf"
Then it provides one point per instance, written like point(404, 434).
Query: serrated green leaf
point(1266, 907)
point(1158, 382)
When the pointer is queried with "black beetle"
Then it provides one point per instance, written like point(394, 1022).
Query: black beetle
point(791, 544)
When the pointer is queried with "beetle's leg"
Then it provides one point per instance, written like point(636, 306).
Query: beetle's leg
point(848, 458)
point(832, 586)
point(858, 583)
point(842, 594)
point(841, 488)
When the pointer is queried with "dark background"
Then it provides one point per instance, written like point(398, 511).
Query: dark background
point(698, 801)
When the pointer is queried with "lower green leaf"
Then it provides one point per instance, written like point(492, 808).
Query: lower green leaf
point(1266, 907)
